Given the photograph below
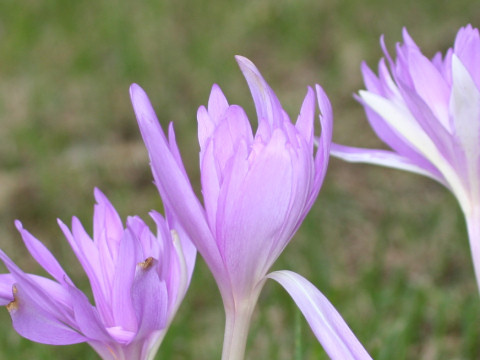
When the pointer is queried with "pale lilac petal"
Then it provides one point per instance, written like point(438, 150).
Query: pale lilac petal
point(122, 307)
point(31, 320)
point(42, 255)
point(217, 104)
point(306, 118)
point(206, 127)
point(430, 86)
point(228, 135)
point(174, 187)
point(266, 103)
point(149, 243)
point(149, 298)
point(407, 39)
point(188, 251)
point(210, 179)
point(323, 152)
point(87, 255)
point(408, 127)
point(6, 283)
point(371, 80)
point(107, 231)
point(327, 324)
point(106, 218)
point(38, 294)
point(465, 107)
point(172, 144)
point(384, 158)
point(428, 122)
point(87, 317)
point(389, 135)
point(467, 48)
point(254, 212)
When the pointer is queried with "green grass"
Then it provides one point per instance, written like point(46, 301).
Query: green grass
point(389, 249)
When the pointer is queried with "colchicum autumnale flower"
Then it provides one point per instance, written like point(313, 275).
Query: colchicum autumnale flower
point(428, 112)
point(138, 280)
point(257, 188)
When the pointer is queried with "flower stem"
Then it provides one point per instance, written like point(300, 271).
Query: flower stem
point(473, 226)
point(237, 324)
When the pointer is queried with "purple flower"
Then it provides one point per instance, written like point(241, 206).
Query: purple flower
point(428, 112)
point(138, 280)
point(257, 188)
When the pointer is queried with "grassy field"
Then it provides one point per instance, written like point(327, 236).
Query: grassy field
point(388, 248)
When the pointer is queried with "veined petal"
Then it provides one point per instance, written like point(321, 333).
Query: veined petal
point(467, 48)
point(149, 298)
point(121, 301)
point(430, 86)
point(465, 108)
point(172, 183)
point(210, 179)
point(185, 250)
point(42, 255)
point(419, 110)
point(385, 158)
point(87, 254)
point(107, 229)
point(206, 127)
point(327, 324)
point(254, 212)
point(41, 295)
point(407, 127)
point(266, 103)
point(217, 104)
point(87, 318)
point(390, 136)
point(32, 321)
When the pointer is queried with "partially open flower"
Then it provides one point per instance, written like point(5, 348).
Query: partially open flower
point(257, 187)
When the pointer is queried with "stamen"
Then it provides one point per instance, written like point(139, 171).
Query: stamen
point(147, 263)
point(13, 305)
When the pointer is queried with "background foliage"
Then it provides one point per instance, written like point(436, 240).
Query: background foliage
point(389, 249)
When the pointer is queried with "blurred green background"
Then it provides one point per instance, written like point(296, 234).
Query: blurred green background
point(388, 248)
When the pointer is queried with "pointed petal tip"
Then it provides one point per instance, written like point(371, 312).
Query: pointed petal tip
point(310, 91)
point(324, 103)
point(135, 88)
point(99, 195)
point(215, 87)
point(18, 225)
point(242, 59)
point(320, 90)
point(248, 67)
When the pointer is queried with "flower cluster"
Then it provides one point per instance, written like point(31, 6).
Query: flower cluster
point(257, 188)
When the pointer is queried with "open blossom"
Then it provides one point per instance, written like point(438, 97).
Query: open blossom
point(428, 112)
point(257, 187)
point(138, 280)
